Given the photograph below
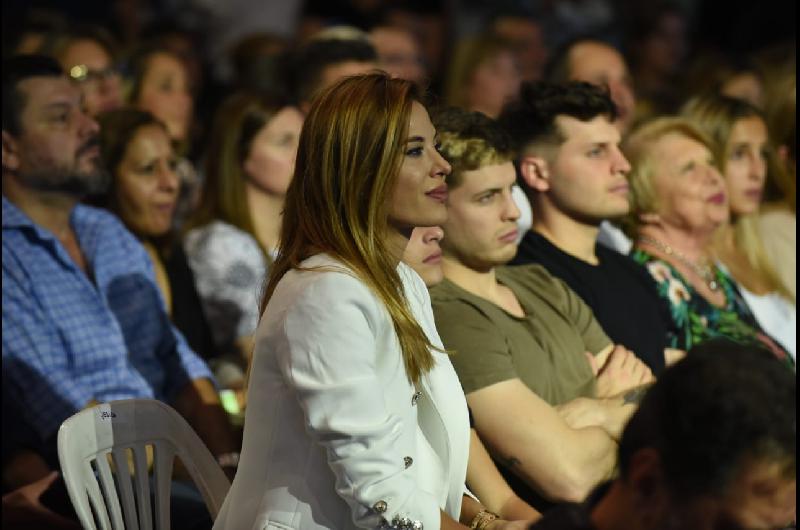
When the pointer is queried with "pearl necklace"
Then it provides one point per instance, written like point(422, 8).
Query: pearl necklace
point(706, 272)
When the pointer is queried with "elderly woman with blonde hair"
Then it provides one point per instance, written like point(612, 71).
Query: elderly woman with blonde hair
point(678, 202)
point(741, 145)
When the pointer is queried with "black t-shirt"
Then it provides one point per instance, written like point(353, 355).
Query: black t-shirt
point(620, 292)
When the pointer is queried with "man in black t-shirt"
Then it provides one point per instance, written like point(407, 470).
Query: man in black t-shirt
point(571, 167)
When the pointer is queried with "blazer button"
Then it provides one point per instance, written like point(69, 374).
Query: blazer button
point(407, 460)
point(380, 506)
point(416, 397)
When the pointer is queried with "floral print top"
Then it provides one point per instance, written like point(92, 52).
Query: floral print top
point(696, 319)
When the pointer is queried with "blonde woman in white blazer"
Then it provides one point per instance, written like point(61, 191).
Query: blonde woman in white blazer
point(355, 416)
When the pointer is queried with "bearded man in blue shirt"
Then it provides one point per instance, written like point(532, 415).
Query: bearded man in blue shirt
point(83, 321)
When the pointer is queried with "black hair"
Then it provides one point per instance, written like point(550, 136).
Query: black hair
point(723, 405)
point(533, 116)
point(316, 55)
point(16, 69)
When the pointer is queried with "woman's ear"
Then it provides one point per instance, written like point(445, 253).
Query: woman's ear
point(535, 172)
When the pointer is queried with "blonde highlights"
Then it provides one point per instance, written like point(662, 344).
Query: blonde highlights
point(717, 115)
point(638, 150)
point(350, 151)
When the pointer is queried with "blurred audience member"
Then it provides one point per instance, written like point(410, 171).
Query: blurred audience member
point(158, 82)
point(232, 237)
point(678, 202)
point(742, 148)
point(34, 33)
point(83, 319)
point(144, 190)
point(526, 36)
point(576, 177)
point(330, 55)
point(524, 341)
point(658, 46)
point(778, 219)
point(483, 75)
point(87, 55)
point(399, 53)
point(257, 64)
point(713, 445)
point(735, 76)
point(597, 62)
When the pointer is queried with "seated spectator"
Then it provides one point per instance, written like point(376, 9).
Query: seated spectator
point(575, 176)
point(334, 53)
point(483, 75)
point(424, 255)
point(138, 154)
point(778, 216)
point(734, 76)
point(713, 445)
point(83, 320)
point(249, 166)
point(522, 340)
point(158, 82)
point(678, 201)
point(519, 26)
point(399, 53)
point(597, 62)
point(87, 54)
point(741, 146)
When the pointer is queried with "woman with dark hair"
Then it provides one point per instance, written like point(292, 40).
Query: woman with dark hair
point(233, 235)
point(355, 416)
point(138, 154)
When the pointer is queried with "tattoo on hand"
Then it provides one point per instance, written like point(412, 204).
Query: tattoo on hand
point(635, 395)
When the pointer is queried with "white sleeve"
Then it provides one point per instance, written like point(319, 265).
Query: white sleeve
point(331, 361)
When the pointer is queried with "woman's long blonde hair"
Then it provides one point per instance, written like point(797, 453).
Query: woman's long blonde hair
point(350, 152)
point(717, 115)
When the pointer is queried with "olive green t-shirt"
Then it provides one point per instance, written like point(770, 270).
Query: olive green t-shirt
point(544, 349)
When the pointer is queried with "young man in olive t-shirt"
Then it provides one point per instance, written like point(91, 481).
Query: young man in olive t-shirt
point(523, 342)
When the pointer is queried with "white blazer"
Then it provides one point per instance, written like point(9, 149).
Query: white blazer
point(335, 435)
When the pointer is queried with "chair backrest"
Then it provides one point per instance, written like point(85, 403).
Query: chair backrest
point(124, 430)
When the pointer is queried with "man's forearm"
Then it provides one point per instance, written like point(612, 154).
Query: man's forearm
point(198, 402)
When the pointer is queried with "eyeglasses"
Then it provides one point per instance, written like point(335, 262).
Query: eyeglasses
point(82, 74)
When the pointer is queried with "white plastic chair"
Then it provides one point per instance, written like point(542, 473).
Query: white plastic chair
point(119, 499)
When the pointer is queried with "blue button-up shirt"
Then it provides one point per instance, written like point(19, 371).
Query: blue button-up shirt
point(68, 339)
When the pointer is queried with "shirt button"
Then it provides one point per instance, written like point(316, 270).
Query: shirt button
point(416, 397)
point(407, 460)
point(380, 506)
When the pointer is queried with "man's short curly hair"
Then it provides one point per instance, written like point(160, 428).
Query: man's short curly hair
point(470, 141)
point(532, 118)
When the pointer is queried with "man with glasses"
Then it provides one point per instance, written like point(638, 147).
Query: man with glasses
point(87, 56)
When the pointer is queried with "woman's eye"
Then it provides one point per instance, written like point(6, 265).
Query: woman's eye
point(414, 151)
point(438, 147)
point(597, 151)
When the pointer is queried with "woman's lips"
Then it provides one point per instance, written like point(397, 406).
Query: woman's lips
point(438, 194)
point(433, 259)
point(718, 198)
